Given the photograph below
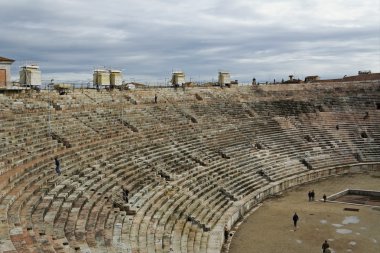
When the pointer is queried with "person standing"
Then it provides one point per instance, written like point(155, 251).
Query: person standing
point(325, 246)
point(125, 194)
point(324, 197)
point(312, 195)
point(155, 98)
point(309, 195)
point(57, 166)
point(295, 220)
point(226, 233)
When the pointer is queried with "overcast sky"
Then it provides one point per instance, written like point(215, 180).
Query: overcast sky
point(148, 38)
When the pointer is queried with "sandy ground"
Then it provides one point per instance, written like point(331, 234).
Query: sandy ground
point(270, 229)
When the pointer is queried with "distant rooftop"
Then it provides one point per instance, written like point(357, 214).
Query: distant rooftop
point(6, 59)
point(361, 77)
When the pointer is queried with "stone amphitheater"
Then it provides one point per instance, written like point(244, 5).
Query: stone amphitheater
point(193, 162)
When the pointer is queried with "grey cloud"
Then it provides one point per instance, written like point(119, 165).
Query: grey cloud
point(267, 39)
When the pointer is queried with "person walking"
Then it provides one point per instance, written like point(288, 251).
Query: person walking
point(325, 246)
point(309, 195)
point(295, 220)
point(324, 197)
point(57, 166)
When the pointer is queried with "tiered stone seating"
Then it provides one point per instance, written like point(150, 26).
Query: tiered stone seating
point(191, 162)
point(5, 103)
point(24, 139)
point(95, 122)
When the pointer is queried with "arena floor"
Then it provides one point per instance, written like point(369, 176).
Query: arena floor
point(270, 228)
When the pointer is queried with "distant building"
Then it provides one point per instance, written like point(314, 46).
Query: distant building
point(30, 75)
point(363, 76)
point(101, 77)
point(5, 71)
point(178, 78)
point(311, 78)
point(116, 77)
point(105, 77)
point(131, 86)
point(224, 78)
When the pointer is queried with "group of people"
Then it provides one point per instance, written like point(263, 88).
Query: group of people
point(311, 195)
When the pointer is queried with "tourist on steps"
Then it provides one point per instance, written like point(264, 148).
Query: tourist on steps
point(57, 166)
point(125, 194)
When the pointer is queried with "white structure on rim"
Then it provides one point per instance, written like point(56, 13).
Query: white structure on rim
point(224, 78)
point(107, 77)
point(116, 77)
point(30, 75)
point(101, 77)
point(178, 78)
point(5, 71)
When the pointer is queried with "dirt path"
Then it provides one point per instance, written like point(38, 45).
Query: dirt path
point(270, 228)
